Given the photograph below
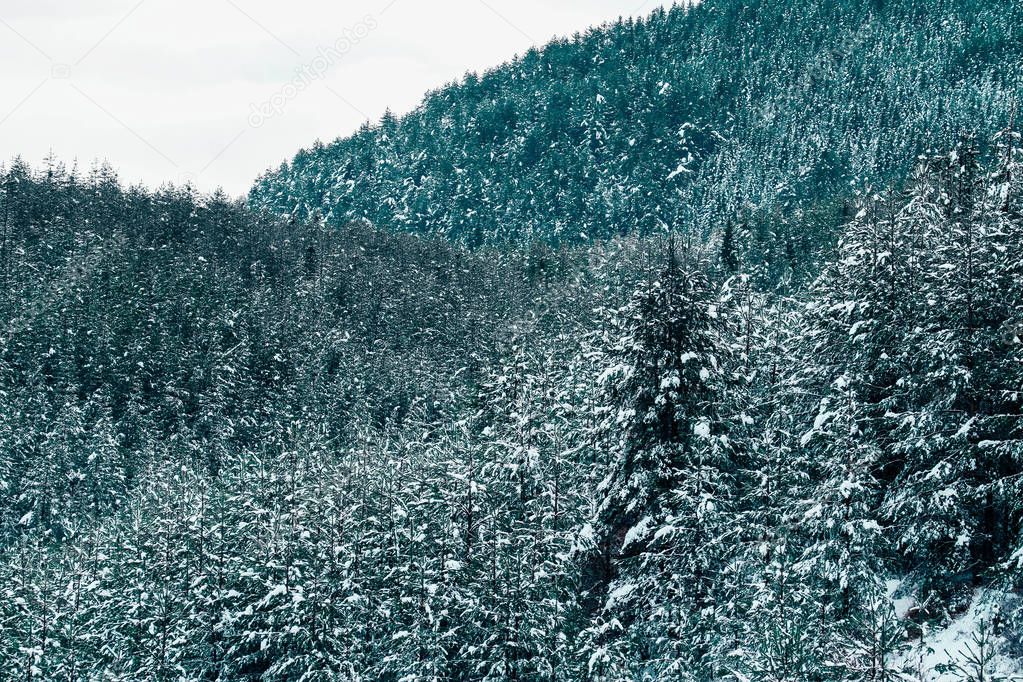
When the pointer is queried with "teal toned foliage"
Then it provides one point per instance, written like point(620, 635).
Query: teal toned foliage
point(240, 447)
point(765, 109)
point(656, 425)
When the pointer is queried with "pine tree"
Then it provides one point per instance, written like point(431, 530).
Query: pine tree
point(667, 483)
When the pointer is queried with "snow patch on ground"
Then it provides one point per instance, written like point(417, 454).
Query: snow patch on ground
point(955, 644)
point(901, 603)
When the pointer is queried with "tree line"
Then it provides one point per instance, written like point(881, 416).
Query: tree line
point(237, 446)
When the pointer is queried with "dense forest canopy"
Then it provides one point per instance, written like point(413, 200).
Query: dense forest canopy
point(765, 113)
point(392, 418)
point(238, 446)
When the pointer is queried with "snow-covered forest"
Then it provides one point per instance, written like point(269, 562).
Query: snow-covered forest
point(668, 400)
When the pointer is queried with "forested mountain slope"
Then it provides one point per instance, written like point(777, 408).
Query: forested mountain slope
point(766, 114)
point(239, 447)
point(690, 348)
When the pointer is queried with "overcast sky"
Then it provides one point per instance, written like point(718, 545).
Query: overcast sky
point(216, 91)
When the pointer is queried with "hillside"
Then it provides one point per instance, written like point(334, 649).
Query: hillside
point(763, 113)
point(690, 348)
point(237, 447)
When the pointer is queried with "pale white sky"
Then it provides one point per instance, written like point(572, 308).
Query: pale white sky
point(216, 91)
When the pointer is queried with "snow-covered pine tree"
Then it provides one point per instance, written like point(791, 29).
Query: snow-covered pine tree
point(668, 481)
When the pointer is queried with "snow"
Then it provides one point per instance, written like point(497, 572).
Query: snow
point(900, 602)
point(1017, 558)
point(821, 419)
point(965, 429)
point(621, 370)
point(670, 382)
point(638, 532)
point(953, 643)
point(618, 595)
point(678, 171)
